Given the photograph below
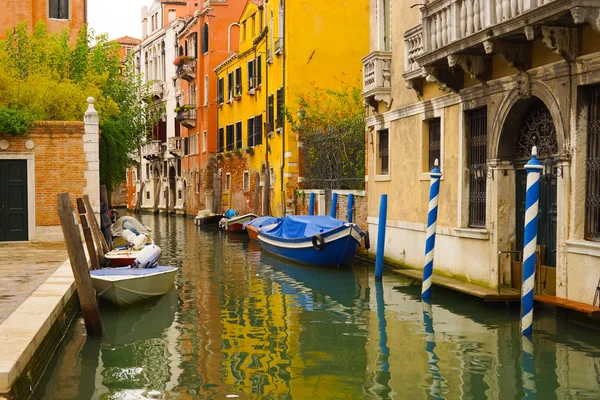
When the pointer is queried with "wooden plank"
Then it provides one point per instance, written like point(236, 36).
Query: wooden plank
point(568, 304)
point(79, 265)
point(100, 242)
point(105, 221)
point(87, 233)
point(485, 293)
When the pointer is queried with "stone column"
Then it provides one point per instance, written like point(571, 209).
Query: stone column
point(563, 189)
point(91, 148)
point(501, 206)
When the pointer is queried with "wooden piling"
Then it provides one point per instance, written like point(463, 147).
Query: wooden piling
point(105, 221)
point(88, 235)
point(138, 202)
point(83, 281)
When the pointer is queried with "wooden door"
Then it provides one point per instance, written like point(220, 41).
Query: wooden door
point(13, 200)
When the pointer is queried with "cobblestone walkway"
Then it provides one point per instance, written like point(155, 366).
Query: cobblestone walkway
point(24, 267)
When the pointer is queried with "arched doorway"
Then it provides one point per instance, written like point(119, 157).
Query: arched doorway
point(529, 123)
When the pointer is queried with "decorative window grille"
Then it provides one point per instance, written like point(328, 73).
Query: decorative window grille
point(477, 161)
point(435, 142)
point(220, 140)
point(383, 151)
point(229, 134)
point(238, 135)
point(592, 189)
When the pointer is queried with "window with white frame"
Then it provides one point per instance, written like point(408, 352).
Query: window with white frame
point(385, 25)
point(477, 163)
point(246, 183)
point(197, 182)
point(227, 181)
point(383, 152)
point(250, 74)
point(205, 90)
point(58, 9)
point(204, 142)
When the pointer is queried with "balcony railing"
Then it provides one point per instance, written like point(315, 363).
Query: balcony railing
point(376, 77)
point(462, 32)
point(152, 150)
point(157, 89)
point(174, 146)
point(187, 116)
point(187, 70)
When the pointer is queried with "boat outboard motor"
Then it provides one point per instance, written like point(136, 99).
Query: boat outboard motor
point(148, 257)
point(134, 241)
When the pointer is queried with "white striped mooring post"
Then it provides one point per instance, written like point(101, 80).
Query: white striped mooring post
point(532, 197)
point(434, 191)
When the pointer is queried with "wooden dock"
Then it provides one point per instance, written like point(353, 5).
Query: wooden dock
point(584, 308)
point(484, 293)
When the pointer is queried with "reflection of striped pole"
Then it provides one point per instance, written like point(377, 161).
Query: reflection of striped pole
point(434, 191)
point(532, 197)
point(527, 368)
point(436, 385)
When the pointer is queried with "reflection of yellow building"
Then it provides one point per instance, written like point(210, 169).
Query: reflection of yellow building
point(284, 48)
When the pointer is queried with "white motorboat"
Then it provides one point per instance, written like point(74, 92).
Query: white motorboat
point(124, 286)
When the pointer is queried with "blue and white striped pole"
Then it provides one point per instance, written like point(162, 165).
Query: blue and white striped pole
point(434, 191)
point(527, 368)
point(532, 197)
point(436, 385)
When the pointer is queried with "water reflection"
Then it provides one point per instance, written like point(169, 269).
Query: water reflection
point(246, 323)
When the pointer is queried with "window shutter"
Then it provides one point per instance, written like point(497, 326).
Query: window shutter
point(205, 39)
point(258, 128)
point(250, 132)
point(259, 71)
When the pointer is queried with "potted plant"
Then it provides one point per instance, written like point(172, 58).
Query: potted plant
point(250, 150)
point(179, 61)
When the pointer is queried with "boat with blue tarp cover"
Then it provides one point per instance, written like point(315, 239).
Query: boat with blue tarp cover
point(312, 239)
point(253, 226)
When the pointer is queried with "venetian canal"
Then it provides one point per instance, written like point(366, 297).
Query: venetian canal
point(241, 324)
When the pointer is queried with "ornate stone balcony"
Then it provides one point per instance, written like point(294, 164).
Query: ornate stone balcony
point(187, 70)
point(376, 78)
point(174, 146)
point(152, 150)
point(186, 116)
point(465, 33)
point(157, 89)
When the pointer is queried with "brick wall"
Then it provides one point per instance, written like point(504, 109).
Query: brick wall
point(237, 198)
point(64, 158)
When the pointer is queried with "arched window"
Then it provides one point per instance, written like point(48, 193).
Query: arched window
point(280, 23)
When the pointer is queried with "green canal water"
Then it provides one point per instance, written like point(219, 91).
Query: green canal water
point(242, 324)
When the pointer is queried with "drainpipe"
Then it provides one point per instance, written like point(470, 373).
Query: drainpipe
point(216, 202)
point(267, 191)
point(283, 199)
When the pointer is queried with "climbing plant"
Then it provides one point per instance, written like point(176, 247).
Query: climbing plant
point(331, 125)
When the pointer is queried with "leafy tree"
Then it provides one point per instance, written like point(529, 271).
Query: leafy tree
point(331, 123)
point(45, 77)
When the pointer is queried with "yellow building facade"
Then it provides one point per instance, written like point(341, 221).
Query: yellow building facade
point(476, 84)
point(285, 49)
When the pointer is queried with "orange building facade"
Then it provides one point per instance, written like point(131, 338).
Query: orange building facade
point(210, 35)
point(57, 14)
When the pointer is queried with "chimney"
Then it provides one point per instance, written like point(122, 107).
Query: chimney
point(144, 22)
point(172, 15)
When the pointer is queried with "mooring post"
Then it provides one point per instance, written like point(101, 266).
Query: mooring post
point(311, 204)
point(532, 196)
point(105, 221)
point(434, 191)
point(527, 368)
point(381, 237)
point(79, 265)
point(101, 244)
point(87, 234)
point(334, 205)
point(436, 385)
point(350, 207)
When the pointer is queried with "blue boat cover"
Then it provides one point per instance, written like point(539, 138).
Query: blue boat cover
point(259, 222)
point(301, 226)
point(230, 213)
point(130, 271)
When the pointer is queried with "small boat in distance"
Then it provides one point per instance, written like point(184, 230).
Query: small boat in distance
point(253, 226)
point(207, 217)
point(236, 224)
point(312, 239)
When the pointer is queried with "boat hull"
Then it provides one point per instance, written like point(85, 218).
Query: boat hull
point(236, 224)
point(252, 232)
point(339, 249)
point(208, 220)
point(125, 290)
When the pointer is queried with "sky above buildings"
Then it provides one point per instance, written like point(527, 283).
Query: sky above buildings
point(116, 17)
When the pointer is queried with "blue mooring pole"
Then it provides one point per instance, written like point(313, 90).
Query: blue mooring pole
point(381, 237)
point(334, 205)
point(350, 207)
point(434, 191)
point(532, 197)
point(311, 204)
